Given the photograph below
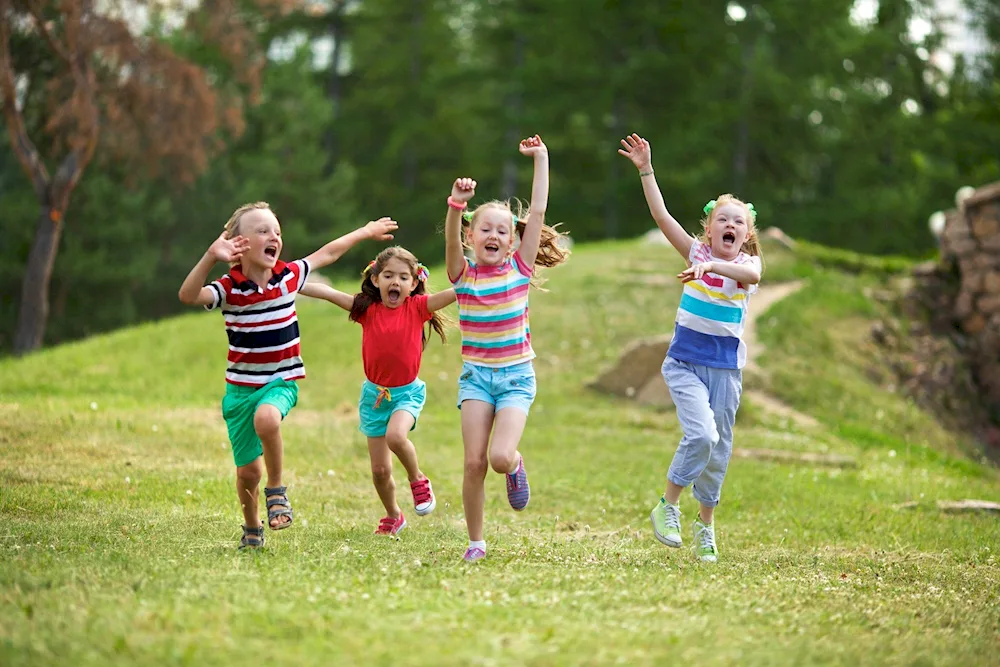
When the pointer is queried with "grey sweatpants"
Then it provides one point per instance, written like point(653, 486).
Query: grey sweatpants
point(707, 400)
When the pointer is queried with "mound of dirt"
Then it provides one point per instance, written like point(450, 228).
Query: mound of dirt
point(636, 374)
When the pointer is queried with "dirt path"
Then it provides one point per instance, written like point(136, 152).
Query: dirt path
point(764, 298)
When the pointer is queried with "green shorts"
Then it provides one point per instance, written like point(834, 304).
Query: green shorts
point(239, 406)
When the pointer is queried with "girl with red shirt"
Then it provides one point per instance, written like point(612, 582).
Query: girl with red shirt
point(392, 308)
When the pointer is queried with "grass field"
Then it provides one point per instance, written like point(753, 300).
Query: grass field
point(120, 519)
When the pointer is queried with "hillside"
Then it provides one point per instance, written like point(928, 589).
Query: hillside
point(120, 521)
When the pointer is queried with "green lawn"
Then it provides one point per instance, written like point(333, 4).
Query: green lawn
point(120, 519)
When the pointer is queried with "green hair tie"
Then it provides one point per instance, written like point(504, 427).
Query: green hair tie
point(709, 206)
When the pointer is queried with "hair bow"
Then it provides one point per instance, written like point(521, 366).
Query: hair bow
point(369, 268)
point(753, 211)
point(515, 218)
point(422, 273)
point(709, 206)
point(467, 216)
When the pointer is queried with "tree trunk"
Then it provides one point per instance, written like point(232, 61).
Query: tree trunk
point(741, 156)
point(34, 308)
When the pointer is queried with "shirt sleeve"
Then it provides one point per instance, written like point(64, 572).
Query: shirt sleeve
point(218, 294)
point(420, 306)
point(522, 266)
point(462, 276)
point(750, 260)
point(699, 253)
point(302, 266)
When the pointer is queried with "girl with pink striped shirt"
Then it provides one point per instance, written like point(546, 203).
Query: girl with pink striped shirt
point(497, 383)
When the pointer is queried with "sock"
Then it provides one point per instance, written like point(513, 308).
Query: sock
point(664, 501)
point(516, 467)
point(480, 544)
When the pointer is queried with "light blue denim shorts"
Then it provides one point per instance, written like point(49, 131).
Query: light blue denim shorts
point(509, 387)
point(377, 405)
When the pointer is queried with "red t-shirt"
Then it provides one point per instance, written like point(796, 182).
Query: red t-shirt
point(392, 341)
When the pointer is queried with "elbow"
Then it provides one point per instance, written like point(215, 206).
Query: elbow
point(753, 278)
point(184, 297)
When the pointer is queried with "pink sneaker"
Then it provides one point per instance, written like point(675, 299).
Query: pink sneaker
point(423, 497)
point(390, 526)
point(472, 554)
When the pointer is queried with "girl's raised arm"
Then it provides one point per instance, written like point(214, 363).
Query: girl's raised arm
point(533, 147)
point(461, 192)
point(637, 150)
point(320, 291)
point(440, 300)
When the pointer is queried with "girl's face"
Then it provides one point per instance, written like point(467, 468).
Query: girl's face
point(728, 230)
point(395, 282)
point(264, 232)
point(491, 236)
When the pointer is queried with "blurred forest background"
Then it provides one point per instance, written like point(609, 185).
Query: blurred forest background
point(133, 129)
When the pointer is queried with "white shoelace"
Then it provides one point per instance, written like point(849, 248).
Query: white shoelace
point(673, 517)
point(706, 536)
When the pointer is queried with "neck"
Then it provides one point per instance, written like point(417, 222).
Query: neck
point(259, 274)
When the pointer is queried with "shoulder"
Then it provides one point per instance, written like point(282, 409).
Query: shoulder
point(700, 252)
point(518, 263)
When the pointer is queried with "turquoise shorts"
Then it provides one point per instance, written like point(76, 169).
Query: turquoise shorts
point(508, 387)
point(239, 406)
point(377, 405)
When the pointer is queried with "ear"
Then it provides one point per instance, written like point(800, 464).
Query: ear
point(373, 278)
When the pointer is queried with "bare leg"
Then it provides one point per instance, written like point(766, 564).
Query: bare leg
point(507, 431)
point(385, 485)
point(267, 423)
point(247, 481)
point(477, 422)
point(396, 437)
point(673, 493)
point(706, 514)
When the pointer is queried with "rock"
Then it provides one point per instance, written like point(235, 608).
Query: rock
point(775, 234)
point(639, 363)
point(991, 282)
point(964, 305)
point(655, 237)
point(989, 304)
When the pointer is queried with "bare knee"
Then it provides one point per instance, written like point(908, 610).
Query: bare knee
point(267, 422)
point(503, 462)
point(249, 475)
point(475, 468)
point(381, 473)
point(395, 440)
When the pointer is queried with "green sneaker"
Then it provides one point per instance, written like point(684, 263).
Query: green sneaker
point(666, 519)
point(704, 538)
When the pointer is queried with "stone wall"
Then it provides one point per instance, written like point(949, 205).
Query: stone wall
point(970, 254)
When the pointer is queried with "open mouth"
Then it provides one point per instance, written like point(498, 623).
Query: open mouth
point(271, 251)
point(729, 237)
point(392, 295)
point(492, 247)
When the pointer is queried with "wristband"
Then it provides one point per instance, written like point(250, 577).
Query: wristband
point(458, 206)
point(645, 173)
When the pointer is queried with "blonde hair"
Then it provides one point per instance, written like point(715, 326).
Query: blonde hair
point(551, 252)
point(233, 224)
point(751, 245)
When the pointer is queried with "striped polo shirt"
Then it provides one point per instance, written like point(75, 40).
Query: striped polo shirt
point(261, 324)
point(712, 315)
point(493, 313)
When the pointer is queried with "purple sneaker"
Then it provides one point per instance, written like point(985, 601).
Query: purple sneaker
point(518, 491)
point(472, 554)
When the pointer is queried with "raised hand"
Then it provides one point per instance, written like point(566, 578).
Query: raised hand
point(533, 147)
point(695, 272)
point(229, 250)
point(637, 150)
point(463, 190)
point(381, 229)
